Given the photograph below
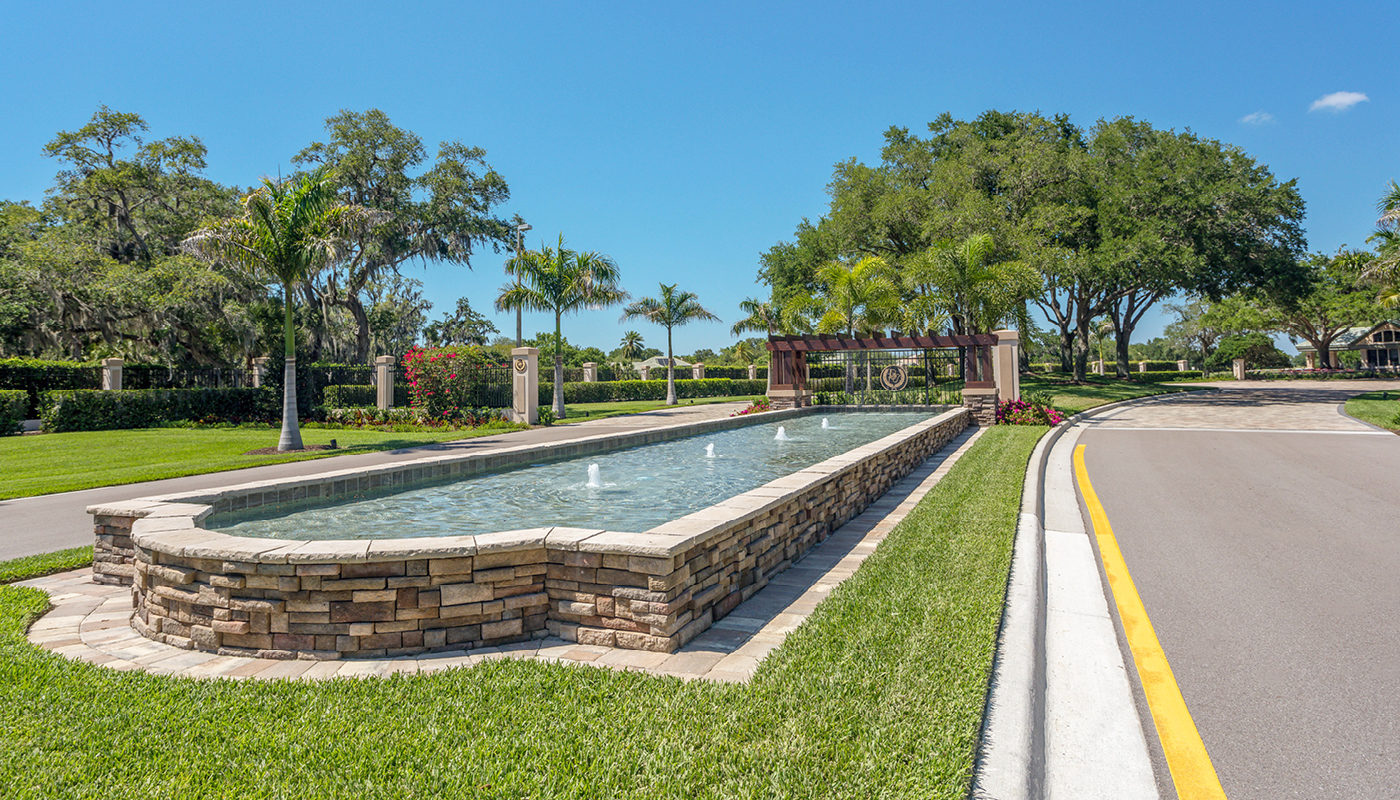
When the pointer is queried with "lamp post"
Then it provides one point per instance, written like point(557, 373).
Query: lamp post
point(520, 229)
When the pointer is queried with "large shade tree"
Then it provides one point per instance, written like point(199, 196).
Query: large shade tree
point(560, 281)
point(671, 308)
point(288, 231)
point(1337, 300)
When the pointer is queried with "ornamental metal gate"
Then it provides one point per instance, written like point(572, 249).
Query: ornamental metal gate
point(909, 376)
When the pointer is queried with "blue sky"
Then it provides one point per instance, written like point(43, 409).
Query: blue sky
point(685, 140)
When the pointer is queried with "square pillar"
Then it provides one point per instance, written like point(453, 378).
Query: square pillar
point(1142, 366)
point(260, 371)
point(753, 372)
point(525, 385)
point(590, 372)
point(697, 371)
point(1097, 367)
point(645, 371)
point(1006, 365)
point(1181, 366)
point(384, 382)
point(1239, 369)
point(112, 374)
point(1312, 360)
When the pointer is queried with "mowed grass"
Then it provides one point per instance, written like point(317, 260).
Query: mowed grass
point(582, 412)
point(878, 694)
point(1095, 391)
point(1381, 409)
point(62, 462)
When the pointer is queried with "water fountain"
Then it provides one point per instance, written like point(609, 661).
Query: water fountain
point(710, 450)
point(595, 477)
point(781, 436)
point(825, 424)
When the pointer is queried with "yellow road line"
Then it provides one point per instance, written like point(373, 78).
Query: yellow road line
point(1190, 766)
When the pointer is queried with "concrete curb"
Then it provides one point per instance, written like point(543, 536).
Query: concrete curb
point(1011, 758)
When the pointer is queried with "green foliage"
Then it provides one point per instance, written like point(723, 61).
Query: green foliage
point(1167, 376)
point(35, 376)
point(95, 410)
point(14, 410)
point(463, 326)
point(545, 415)
point(350, 395)
point(611, 391)
point(1381, 408)
point(37, 566)
point(1256, 349)
point(446, 382)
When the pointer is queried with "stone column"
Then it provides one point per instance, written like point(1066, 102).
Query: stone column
point(260, 371)
point(645, 371)
point(1142, 366)
point(590, 372)
point(697, 371)
point(983, 405)
point(1239, 369)
point(951, 371)
point(1096, 367)
point(112, 374)
point(525, 385)
point(753, 372)
point(1312, 360)
point(1006, 365)
point(1181, 366)
point(384, 382)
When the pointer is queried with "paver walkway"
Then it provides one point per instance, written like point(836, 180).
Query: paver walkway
point(1298, 406)
point(90, 622)
point(42, 524)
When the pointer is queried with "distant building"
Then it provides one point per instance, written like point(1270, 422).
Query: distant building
point(658, 362)
point(1378, 346)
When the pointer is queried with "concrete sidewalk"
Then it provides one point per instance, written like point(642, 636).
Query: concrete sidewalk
point(51, 522)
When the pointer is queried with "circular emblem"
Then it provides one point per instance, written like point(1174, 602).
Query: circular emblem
point(522, 364)
point(894, 377)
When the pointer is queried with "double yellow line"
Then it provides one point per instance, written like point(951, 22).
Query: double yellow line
point(1187, 759)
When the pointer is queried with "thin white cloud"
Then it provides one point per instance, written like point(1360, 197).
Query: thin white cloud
point(1257, 118)
point(1338, 102)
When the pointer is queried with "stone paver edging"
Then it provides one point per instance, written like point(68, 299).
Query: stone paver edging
point(91, 622)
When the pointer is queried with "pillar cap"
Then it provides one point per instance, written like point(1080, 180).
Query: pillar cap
point(1007, 336)
point(113, 362)
point(385, 360)
point(524, 351)
point(588, 364)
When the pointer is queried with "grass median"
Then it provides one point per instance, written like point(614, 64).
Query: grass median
point(879, 694)
point(1381, 409)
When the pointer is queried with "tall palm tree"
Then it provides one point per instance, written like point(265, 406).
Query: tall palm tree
point(965, 283)
point(1385, 268)
point(852, 298)
point(632, 344)
point(671, 309)
point(561, 281)
point(289, 230)
point(760, 316)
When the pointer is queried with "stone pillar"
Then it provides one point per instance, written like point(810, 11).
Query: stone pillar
point(1312, 360)
point(112, 374)
point(1006, 365)
point(525, 385)
point(951, 370)
point(260, 371)
point(982, 403)
point(645, 371)
point(1181, 366)
point(1096, 367)
point(753, 372)
point(1142, 366)
point(1239, 369)
point(590, 372)
point(697, 371)
point(384, 382)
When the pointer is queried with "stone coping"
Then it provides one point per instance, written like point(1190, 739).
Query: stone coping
point(171, 524)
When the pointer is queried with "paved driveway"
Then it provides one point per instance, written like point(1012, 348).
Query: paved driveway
point(1262, 528)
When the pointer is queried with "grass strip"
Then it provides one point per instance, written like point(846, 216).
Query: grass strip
point(878, 695)
point(583, 412)
point(1381, 409)
point(22, 569)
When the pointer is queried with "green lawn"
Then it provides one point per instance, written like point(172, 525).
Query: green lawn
point(1096, 391)
point(878, 694)
point(1378, 408)
point(62, 462)
point(582, 412)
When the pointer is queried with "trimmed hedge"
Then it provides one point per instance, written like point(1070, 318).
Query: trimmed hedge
point(96, 410)
point(740, 373)
point(35, 376)
point(614, 391)
point(14, 405)
point(352, 395)
point(1162, 376)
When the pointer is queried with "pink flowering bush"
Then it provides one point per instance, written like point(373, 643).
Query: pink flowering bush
point(1026, 412)
point(761, 404)
point(446, 383)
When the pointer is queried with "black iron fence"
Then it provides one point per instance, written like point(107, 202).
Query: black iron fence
point(886, 377)
point(152, 376)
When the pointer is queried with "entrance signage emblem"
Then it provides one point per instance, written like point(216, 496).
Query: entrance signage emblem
point(894, 377)
point(521, 364)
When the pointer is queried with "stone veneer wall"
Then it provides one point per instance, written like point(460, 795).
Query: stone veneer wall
point(204, 590)
point(112, 552)
point(982, 405)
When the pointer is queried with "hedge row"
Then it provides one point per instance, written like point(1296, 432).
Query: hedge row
point(96, 410)
point(1162, 376)
point(738, 373)
point(351, 395)
point(614, 391)
point(14, 408)
point(34, 376)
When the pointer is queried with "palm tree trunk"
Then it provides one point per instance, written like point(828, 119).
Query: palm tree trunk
point(291, 431)
point(558, 369)
point(670, 371)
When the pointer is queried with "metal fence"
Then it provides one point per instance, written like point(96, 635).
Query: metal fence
point(886, 377)
point(151, 376)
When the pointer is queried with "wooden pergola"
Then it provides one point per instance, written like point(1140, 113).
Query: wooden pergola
point(789, 363)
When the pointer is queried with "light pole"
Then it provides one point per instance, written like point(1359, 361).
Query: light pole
point(520, 229)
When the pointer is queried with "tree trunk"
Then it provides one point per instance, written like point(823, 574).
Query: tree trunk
point(1120, 348)
point(558, 368)
point(356, 307)
point(670, 371)
point(291, 430)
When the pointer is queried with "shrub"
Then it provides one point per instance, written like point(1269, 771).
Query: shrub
point(351, 395)
point(1175, 375)
point(14, 406)
point(615, 391)
point(96, 410)
point(1025, 412)
point(758, 406)
point(740, 372)
point(444, 381)
point(36, 376)
point(1158, 366)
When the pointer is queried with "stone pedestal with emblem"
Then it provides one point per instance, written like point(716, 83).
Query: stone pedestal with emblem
point(525, 385)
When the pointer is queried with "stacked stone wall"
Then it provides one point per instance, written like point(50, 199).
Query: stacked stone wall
point(112, 550)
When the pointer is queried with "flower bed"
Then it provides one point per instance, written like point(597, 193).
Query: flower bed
point(1027, 412)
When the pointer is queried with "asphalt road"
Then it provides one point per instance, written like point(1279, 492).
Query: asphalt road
point(46, 523)
point(1262, 529)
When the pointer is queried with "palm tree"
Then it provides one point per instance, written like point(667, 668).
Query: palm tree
point(671, 309)
point(963, 281)
point(288, 231)
point(562, 281)
point(759, 317)
point(632, 344)
point(852, 298)
point(1385, 268)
